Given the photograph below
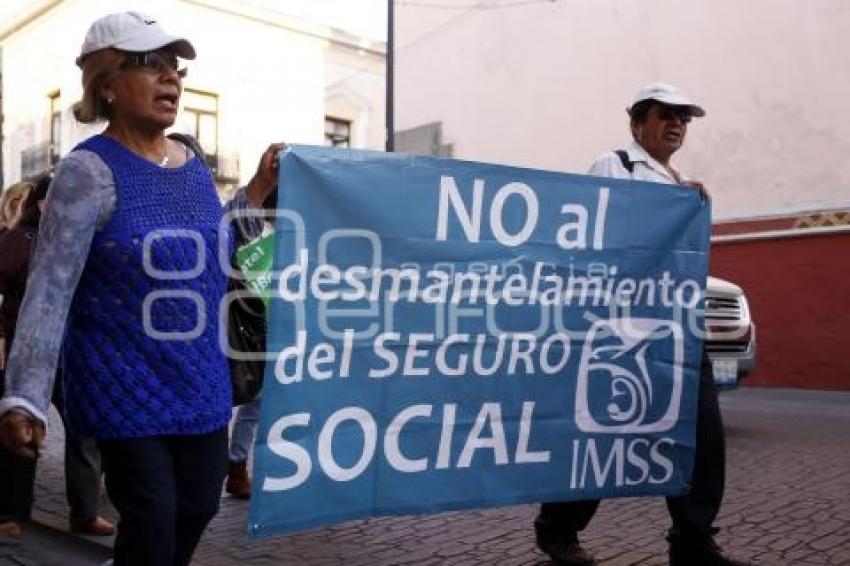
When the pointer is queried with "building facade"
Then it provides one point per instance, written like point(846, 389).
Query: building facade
point(261, 76)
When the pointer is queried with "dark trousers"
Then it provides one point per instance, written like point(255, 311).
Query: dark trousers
point(17, 480)
point(82, 474)
point(82, 466)
point(166, 489)
point(693, 513)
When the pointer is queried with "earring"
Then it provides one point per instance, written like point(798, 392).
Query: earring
point(109, 100)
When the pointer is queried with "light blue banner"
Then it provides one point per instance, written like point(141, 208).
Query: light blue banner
point(449, 335)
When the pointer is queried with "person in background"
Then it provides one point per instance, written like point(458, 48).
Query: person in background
point(130, 233)
point(659, 118)
point(82, 460)
point(16, 491)
point(11, 207)
point(11, 204)
point(238, 482)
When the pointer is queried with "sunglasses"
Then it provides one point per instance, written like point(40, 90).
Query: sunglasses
point(668, 113)
point(155, 61)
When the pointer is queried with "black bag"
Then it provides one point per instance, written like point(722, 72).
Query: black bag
point(246, 337)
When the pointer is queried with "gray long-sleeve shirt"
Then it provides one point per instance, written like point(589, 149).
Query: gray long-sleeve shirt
point(80, 202)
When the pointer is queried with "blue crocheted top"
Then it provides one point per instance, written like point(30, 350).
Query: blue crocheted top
point(141, 354)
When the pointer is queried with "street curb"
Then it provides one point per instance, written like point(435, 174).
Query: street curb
point(40, 544)
point(59, 524)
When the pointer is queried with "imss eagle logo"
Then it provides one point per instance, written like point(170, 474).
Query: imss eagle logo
point(630, 376)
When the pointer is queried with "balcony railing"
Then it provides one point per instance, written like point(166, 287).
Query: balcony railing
point(224, 166)
point(36, 161)
point(225, 170)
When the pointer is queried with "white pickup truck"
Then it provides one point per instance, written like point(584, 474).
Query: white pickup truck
point(730, 334)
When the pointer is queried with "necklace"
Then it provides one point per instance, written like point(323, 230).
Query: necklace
point(162, 163)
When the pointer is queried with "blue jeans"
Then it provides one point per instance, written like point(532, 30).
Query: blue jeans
point(244, 431)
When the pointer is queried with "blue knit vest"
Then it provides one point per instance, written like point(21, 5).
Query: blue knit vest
point(141, 355)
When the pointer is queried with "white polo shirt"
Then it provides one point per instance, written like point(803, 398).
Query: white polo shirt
point(645, 167)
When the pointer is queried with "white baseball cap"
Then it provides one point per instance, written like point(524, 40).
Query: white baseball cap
point(668, 94)
point(131, 31)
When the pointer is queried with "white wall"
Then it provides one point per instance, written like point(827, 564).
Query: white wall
point(269, 81)
point(545, 85)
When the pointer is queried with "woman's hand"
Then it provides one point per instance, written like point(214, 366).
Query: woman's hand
point(21, 434)
point(265, 179)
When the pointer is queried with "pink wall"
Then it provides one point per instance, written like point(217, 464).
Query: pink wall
point(545, 85)
point(799, 294)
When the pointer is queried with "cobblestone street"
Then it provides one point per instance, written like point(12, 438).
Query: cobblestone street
point(786, 502)
point(293, 271)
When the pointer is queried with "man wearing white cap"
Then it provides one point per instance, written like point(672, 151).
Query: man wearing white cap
point(659, 118)
point(660, 115)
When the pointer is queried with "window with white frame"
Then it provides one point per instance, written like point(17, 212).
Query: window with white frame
point(55, 126)
point(200, 118)
point(337, 132)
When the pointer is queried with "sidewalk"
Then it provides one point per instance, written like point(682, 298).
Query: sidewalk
point(786, 503)
point(44, 546)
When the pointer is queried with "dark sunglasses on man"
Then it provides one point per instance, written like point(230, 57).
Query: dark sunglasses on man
point(157, 61)
point(667, 113)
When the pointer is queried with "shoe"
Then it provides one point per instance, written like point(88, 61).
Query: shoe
point(10, 529)
point(698, 552)
point(238, 481)
point(566, 553)
point(10, 534)
point(98, 527)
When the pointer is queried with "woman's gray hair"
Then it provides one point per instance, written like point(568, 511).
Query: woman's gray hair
point(99, 68)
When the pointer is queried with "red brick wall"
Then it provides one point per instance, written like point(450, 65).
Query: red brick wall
point(799, 294)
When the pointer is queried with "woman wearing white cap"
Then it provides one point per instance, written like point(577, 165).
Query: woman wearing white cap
point(127, 282)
